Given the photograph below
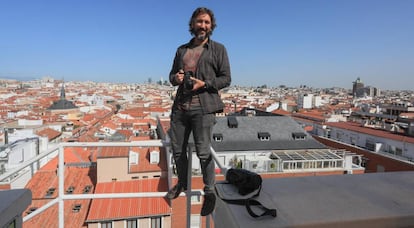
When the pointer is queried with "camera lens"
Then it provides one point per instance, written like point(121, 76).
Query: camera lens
point(188, 83)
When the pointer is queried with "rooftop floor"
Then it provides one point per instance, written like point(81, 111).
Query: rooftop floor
point(368, 200)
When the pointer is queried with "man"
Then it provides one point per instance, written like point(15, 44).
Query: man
point(206, 66)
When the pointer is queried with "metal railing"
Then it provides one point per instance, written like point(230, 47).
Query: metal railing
point(61, 167)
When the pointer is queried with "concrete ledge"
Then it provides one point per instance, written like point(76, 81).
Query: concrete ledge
point(365, 200)
point(13, 203)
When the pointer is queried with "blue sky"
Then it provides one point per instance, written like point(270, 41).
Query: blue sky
point(318, 43)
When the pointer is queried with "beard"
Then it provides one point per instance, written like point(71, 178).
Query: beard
point(201, 34)
point(201, 37)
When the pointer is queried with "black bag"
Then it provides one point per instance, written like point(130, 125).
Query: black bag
point(245, 180)
point(248, 185)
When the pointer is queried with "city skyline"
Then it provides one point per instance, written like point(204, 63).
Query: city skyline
point(319, 44)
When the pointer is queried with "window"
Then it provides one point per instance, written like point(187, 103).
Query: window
point(196, 198)
point(217, 137)
point(156, 222)
point(132, 223)
point(370, 145)
point(195, 221)
point(154, 157)
point(106, 224)
point(299, 136)
point(133, 158)
point(87, 189)
point(353, 139)
point(31, 210)
point(263, 136)
point(70, 190)
point(398, 151)
point(50, 192)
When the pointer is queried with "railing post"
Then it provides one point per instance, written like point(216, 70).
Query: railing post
point(61, 176)
point(208, 221)
point(189, 176)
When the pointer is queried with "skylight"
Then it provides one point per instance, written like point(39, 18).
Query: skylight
point(76, 208)
point(50, 192)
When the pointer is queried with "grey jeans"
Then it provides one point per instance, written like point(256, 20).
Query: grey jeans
point(183, 123)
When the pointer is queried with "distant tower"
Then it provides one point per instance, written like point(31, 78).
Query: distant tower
point(358, 88)
point(62, 92)
point(62, 103)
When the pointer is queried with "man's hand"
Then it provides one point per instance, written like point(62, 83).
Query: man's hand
point(197, 83)
point(179, 76)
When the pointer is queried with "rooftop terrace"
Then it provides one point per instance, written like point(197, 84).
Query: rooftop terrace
point(371, 200)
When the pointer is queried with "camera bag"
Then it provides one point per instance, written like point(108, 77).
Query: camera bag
point(242, 187)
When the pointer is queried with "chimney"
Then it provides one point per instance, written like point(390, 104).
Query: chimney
point(232, 122)
point(6, 136)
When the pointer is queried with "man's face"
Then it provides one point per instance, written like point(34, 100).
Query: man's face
point(201, 26)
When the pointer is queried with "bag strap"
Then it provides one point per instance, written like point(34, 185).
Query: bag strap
point(267, 211)
point(249, 203)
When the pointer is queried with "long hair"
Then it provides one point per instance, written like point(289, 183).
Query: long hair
point(202, 10)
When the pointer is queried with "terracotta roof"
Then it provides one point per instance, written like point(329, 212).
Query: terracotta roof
point(49, 133)
point(109, 125)
point(144, 164)
point(113, 151)
point(376, 132)
point(72, 155)
point(88, 117)
point(77, 178)
point(139, 138)
point(113, 209)
point(408, 115)
point(282, 112)
point(5, 186)
point(126, 133)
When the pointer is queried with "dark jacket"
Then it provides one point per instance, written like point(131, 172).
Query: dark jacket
point(213, 68)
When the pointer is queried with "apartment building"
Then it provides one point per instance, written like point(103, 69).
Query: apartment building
point(102, 170)
point(275, 144)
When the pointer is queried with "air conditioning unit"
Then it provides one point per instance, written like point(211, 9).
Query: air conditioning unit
point(252, 165)
point(272, 165)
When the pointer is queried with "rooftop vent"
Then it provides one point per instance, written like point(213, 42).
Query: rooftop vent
point(232, 122)
point(263, 136)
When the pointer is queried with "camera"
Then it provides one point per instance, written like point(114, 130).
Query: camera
point(188, 83)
